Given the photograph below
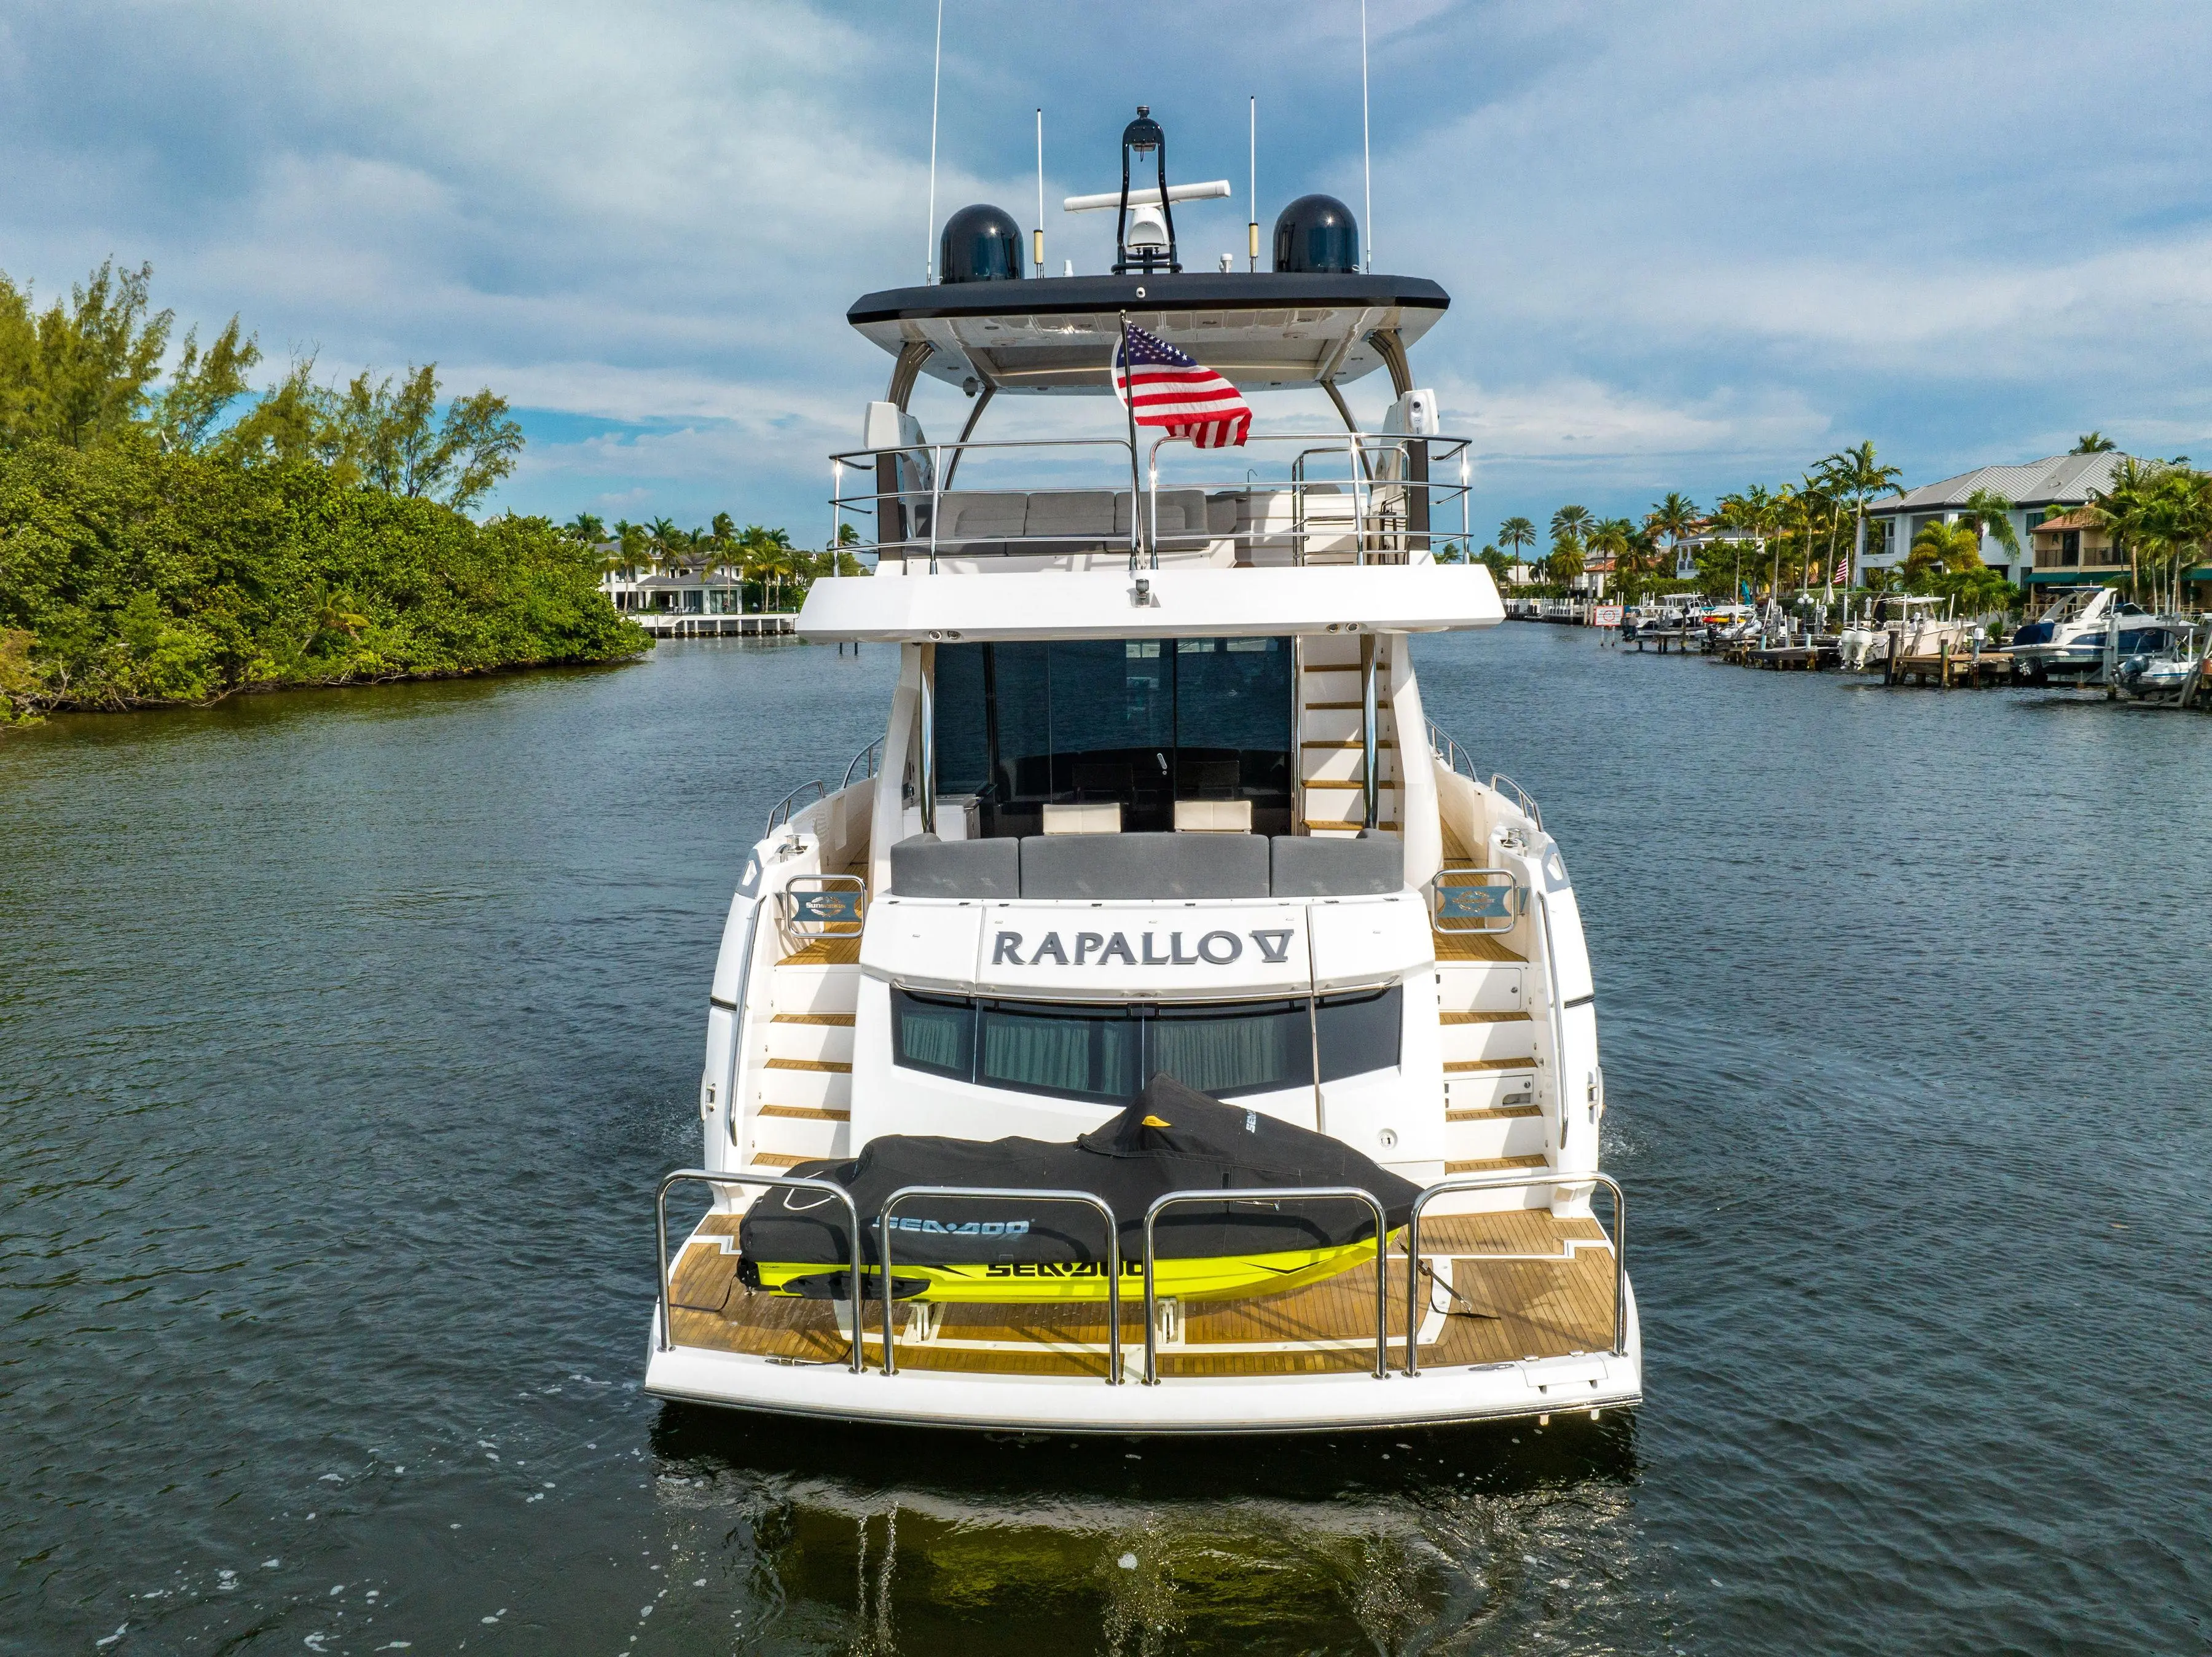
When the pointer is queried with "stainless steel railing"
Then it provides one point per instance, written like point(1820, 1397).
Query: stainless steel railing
point(786, 1181)
point(864, 762)
point(794, 802)
point(988, 1193)
point(1415, 1299)
point(1476, 899)
point(1455, 757)
point(1282, 1194)
point(822, 906)
point(1393, 496)
point(1500, 783)
point(1509, 1182)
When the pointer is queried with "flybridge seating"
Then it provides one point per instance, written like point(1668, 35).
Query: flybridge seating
point(1093, 868)
point(1283, 499)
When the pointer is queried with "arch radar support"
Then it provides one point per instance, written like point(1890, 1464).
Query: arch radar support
point(906, 370)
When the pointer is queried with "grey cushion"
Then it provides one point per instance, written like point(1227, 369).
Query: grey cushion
point(971, 522)
point(1181, 520)
point(1076, 866)
point(1307, 866)
point(1085, 513)
point(926, 867)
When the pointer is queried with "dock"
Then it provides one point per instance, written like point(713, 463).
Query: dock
point(678, 624)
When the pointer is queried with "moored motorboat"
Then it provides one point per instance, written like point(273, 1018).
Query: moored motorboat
point(1156, 807)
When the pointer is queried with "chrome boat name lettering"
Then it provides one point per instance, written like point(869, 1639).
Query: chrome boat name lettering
point(1217, 948)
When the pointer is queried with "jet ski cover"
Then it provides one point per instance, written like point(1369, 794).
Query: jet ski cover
point(1169, 1137)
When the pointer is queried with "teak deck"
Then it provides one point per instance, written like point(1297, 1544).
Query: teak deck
point(1529, 1286)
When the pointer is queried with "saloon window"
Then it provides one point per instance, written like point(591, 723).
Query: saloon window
point(1141, 722)
point(1107, 1053)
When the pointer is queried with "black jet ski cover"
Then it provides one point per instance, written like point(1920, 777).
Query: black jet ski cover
point(1169, 1137)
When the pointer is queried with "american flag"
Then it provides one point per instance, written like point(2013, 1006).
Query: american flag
point(1839, 576)
point(1177, 391)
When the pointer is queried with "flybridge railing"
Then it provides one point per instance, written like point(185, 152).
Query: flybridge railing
point(1330, 498)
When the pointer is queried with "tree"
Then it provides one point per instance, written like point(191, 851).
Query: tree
point(1574, 520)
point(1676, 518)
point(585, 529)
point(2094, 442)
point(1945, 548)
point(768, 559)
point(2123, 509)
point(391, 438)
point(79, 374)
point(1517, 535)
point(1500, 566)
point(1991, 514)
point(1854, 475)
point(203, 385)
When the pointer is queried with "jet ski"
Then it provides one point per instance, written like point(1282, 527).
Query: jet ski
point(1168, 1138)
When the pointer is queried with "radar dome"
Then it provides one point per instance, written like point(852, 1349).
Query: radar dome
point(1316, 233)
point(980, 243)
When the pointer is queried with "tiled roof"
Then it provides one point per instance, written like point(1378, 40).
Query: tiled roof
point(2068, 520)
point(2061, 480)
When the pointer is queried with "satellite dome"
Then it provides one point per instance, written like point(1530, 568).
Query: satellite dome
point(980, 243)
point(1317, 232)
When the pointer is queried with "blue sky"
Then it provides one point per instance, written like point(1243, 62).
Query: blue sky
point(1687, 246)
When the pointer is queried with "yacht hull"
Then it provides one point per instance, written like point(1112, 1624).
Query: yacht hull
point(1200, 1406)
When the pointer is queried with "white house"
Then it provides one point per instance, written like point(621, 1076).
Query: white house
point(2040, 490)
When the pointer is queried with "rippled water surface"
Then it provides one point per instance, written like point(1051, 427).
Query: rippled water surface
point(342, 1037)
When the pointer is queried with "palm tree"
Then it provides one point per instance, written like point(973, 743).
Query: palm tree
point(1950, 548)
point(1853, 474)
point(670, 544)
point(585, 530)
point(2094, 442)
point(1516, 535)
point(2123, 509)
point(1615, 537)
point(1676, 518)
point(768, 559)
point(1573, 521)
point(1991, 514)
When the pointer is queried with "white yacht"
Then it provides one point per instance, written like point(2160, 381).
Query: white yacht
point(2072, 637)
point(1069, 1057)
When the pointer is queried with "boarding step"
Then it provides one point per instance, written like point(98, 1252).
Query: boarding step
point(1321, 723)
point(1493, 1135)
point(814, 1037)
point(1488, 1036)
point(794, 1131)
point(806, 1084)
point(1535, 1196)
point(811, 990)
point(1489, 1090)
point(1343, 765)
point(1468, 988)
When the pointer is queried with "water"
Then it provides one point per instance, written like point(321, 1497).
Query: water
point(342, 1037)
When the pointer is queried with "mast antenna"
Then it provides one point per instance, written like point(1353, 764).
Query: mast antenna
point(1366, 153)
point(936, 77)
point(1039, 238)
point(1252, 230)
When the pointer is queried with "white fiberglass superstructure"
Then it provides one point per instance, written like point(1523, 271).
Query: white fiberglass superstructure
point(1156, 796)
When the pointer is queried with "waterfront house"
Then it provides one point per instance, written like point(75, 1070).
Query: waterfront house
point(2071, 547)
point(2040, 491)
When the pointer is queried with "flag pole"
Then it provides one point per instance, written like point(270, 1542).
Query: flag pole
point(1129, 407)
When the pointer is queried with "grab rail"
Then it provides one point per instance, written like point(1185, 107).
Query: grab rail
point(1455, 757)
point(786, 808)
point(995, 1193)
point(1501, 783)
point(1509, 1182)
point(871, 756)
point(786, 1181)
point(822, 906)
point(1282, 1194)
point(1471, 900)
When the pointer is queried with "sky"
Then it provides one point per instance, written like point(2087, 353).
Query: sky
point(1688, 247)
